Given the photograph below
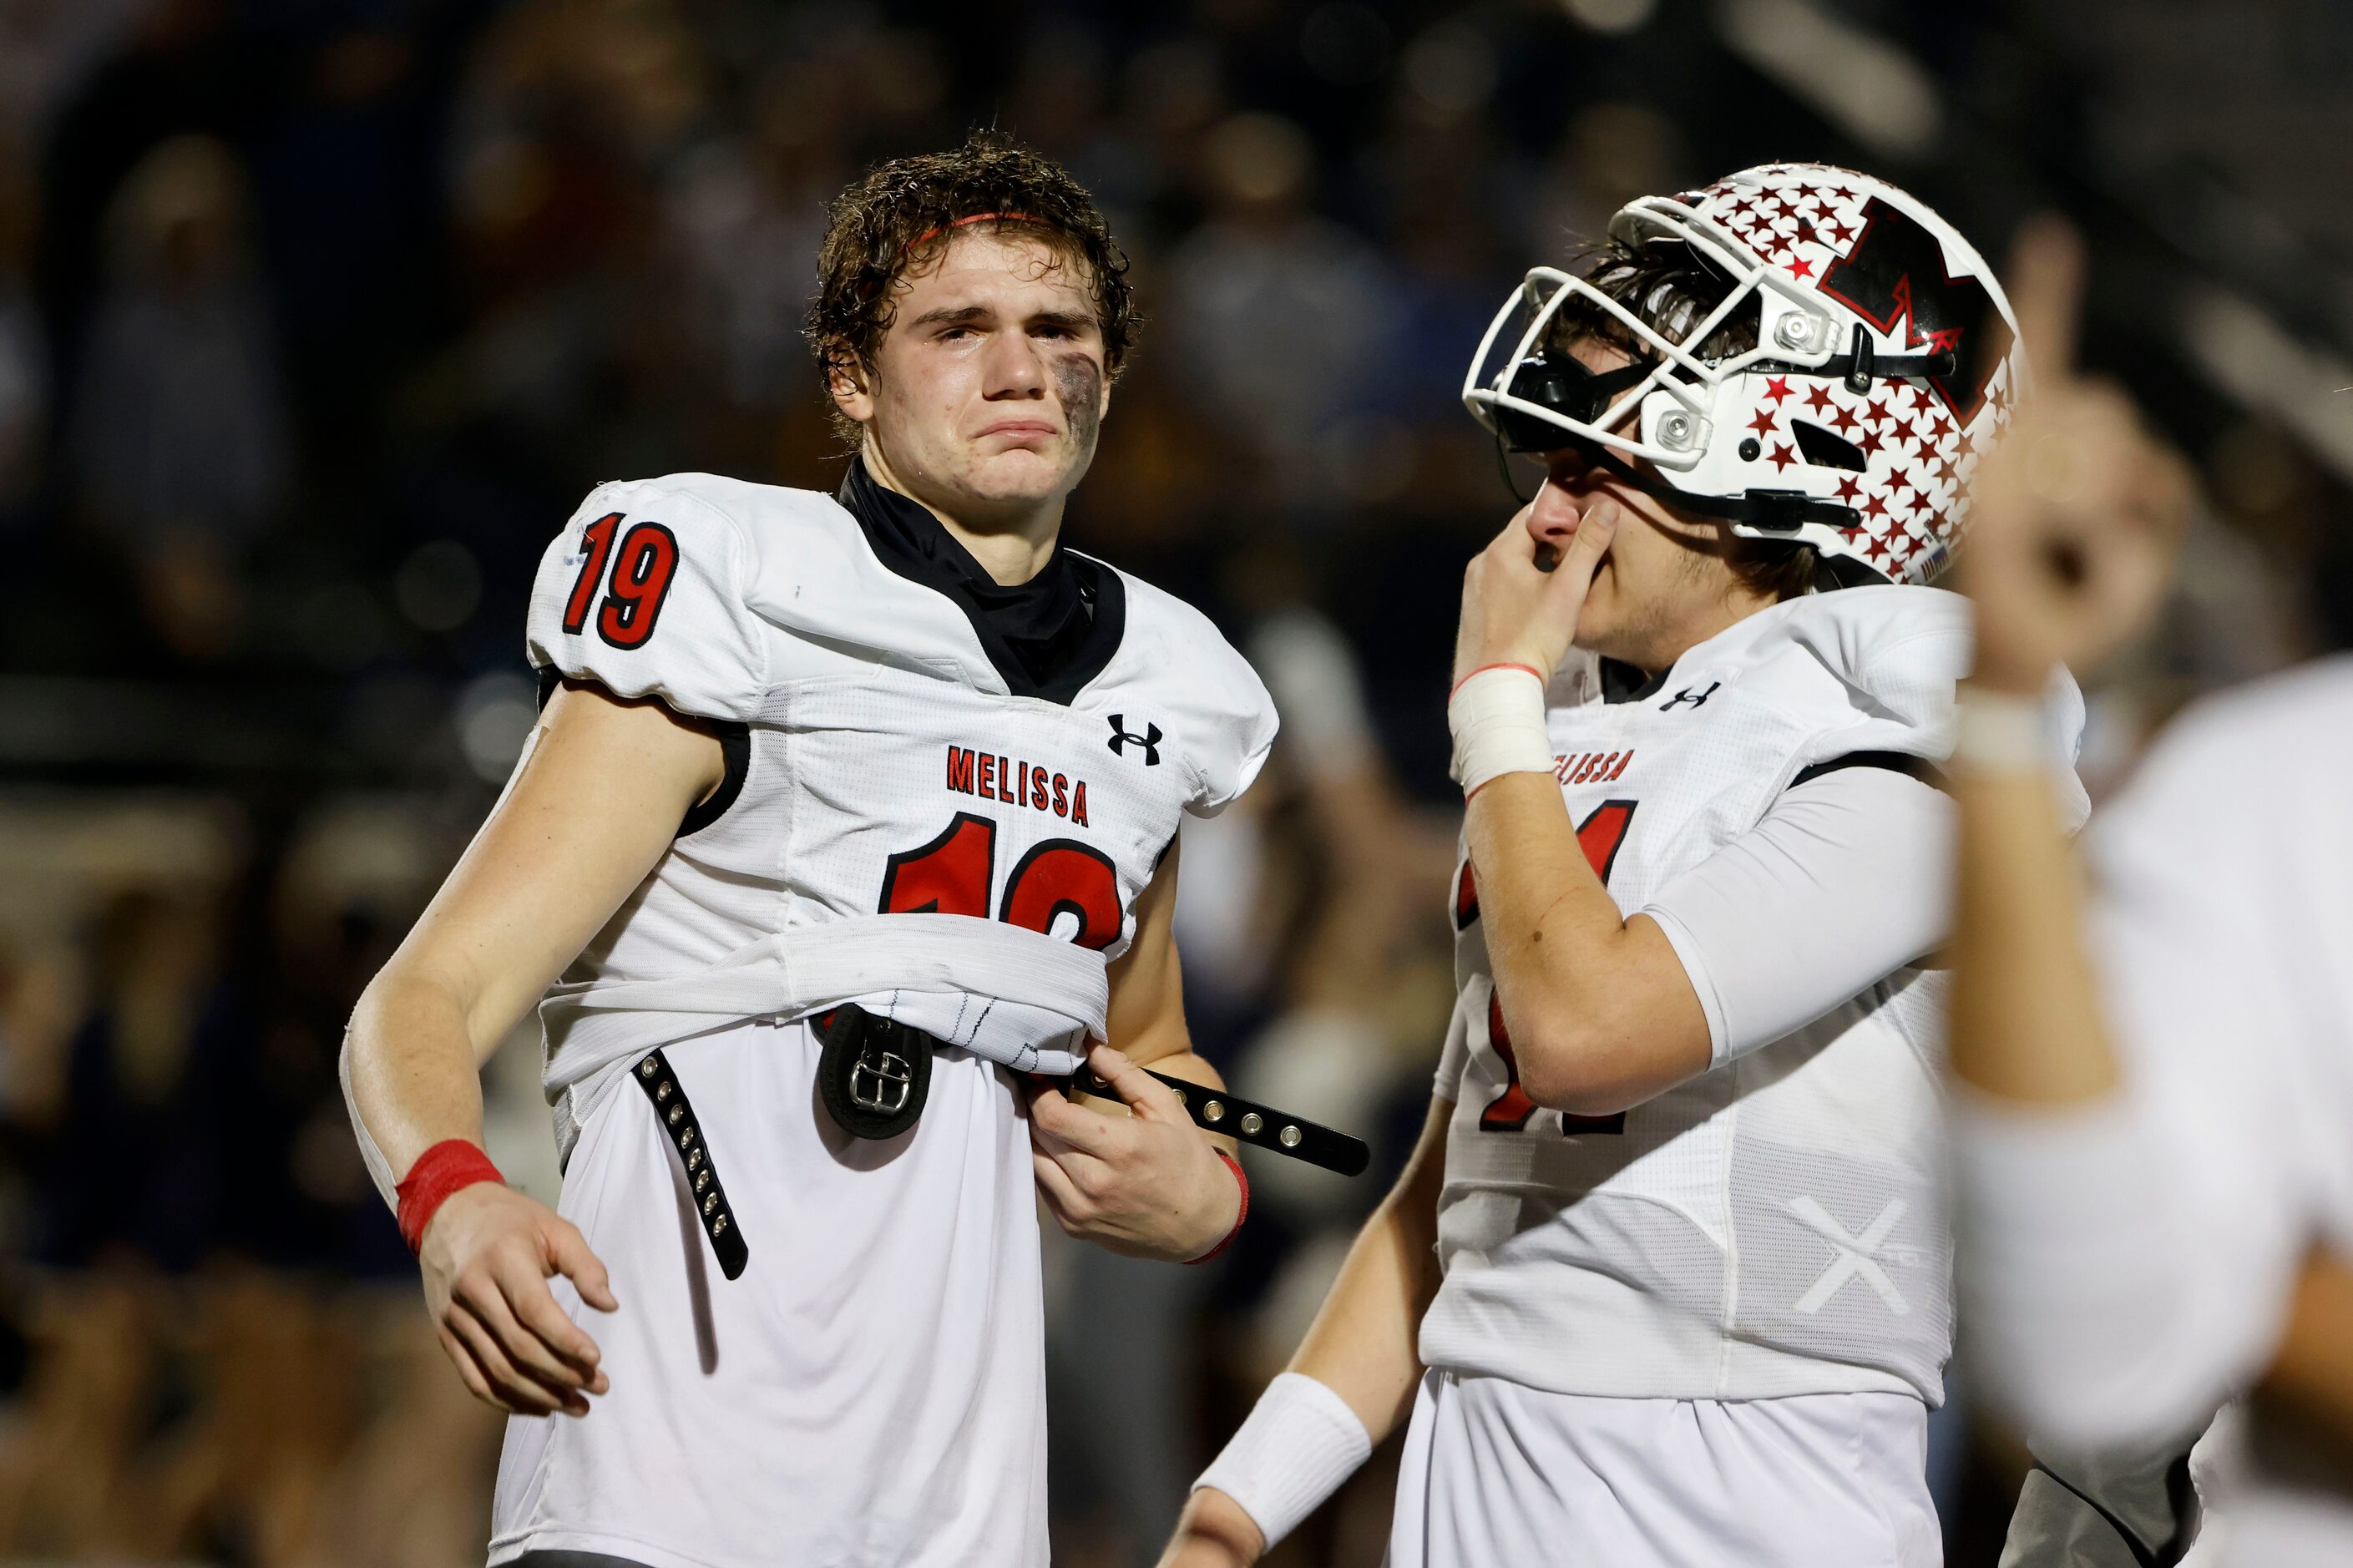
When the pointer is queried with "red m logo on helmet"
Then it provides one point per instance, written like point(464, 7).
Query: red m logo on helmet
point(1895, 272)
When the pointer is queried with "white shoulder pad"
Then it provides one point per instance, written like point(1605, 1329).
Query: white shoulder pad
point(1897, 655)
point(1221, 706)
point(647, 593)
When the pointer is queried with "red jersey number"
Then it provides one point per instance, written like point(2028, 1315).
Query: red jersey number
point(1599, 836)
point(643, 565)
point(953, 873)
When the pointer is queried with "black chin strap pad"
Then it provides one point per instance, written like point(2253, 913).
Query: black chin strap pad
point(1777, 512)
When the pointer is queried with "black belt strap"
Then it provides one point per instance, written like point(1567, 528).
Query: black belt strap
point(1248, 1121)
point(679, 1126)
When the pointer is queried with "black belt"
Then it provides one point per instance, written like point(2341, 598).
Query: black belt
point(679, 1125)
point(874, 1075)
point(1248, 1121)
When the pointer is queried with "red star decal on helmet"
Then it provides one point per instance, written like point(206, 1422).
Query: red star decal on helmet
point(1841, 233)
point(1801, 267)
point(1878, 548)
point(1844, 418)
point(1804, 232)
point(1869, 441)
point(1898, 480)
point(1875, 506)
point(1939, 424)
point(1848, 488)
point(1783, 455)
point(1776, 388)
point(1919, 440)
point(1966, 446)
point(1818, 397)
point(1998, 396)
point(1763, 423)
point(1945, 472)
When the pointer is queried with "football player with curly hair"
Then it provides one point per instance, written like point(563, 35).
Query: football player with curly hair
point(845, 815)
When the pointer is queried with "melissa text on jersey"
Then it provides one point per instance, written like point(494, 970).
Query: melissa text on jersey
point(996, 777)
point(1591, 767)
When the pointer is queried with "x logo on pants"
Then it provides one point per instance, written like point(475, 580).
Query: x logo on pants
point(1854, 1258)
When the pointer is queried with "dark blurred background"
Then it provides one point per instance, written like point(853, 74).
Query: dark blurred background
point(317, 318)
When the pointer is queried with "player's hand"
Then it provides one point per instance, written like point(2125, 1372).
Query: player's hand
point(488, 1257)
point(1213, 1532)
point(1521, 595)
point(1147, 1185)
point(2075, 517)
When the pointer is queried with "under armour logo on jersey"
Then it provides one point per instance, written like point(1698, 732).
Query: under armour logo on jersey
point(1856, 1257)
point(1688, 695)
point(1120, 739)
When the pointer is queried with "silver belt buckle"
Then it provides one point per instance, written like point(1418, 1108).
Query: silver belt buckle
point(881, 1081)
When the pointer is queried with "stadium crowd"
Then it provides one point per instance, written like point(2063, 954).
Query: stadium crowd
point(317, 320)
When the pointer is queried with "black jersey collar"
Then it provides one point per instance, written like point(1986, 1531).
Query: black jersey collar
point(1621, 682)
point(1046, 637)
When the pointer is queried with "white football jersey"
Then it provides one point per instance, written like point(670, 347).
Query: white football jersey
point(871, 1390)
point(1772, 1227)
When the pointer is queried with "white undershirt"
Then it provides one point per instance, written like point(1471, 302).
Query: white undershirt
point(1846, 879)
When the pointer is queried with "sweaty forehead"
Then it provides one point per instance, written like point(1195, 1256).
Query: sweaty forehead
point(1005, 271)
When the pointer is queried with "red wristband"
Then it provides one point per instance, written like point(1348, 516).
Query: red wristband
point(1239, 1215)
point(1501, 664)
point(441, 1171)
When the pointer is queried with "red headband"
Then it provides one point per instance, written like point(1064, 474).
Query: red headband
point(977, 217)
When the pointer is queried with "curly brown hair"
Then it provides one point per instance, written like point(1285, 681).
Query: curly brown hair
point(1663, 284)
point(905, 213)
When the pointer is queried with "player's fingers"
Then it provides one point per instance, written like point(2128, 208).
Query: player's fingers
point(1062, 1195)
point(2046, 292)
point(1574, 577)
point(535, 1308)
point(1088, 1172)
point(469, 1372)
point(522, 1348)
point(510, 1386)
point(1143, 1094)
point(1051, 1112)
point(568, 1251)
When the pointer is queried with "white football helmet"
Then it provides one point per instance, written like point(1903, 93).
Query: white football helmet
point(1886, 361)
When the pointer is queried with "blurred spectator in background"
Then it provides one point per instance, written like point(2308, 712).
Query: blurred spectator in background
point(1281, 314)
point(24, 349)
point(178, 441)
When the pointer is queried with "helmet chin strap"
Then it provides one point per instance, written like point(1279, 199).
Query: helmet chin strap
point(1776, 511)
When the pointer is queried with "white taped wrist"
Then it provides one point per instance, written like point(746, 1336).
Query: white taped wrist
point(1299, 1443)
point(1996, 732)
point(1497, 717)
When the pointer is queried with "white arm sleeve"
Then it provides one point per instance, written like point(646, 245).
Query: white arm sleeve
point(1845, 879)
point(2127, 1266)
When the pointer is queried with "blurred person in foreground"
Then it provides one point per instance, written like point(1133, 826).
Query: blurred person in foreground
point(842, 813)
point(1668, 1279)
point(2155, 1070)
